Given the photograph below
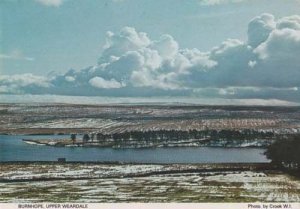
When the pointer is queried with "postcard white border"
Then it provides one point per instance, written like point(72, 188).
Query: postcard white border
point(150, 205)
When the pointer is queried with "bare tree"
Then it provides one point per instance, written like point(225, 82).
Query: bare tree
point(85, 138)
point(92, 137)
point(73, 138)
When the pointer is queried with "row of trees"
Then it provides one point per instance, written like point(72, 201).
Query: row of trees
point(85, 138)
point(181, 135)
point(175, 135)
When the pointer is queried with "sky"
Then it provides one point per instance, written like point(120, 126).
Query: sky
point(227, 49)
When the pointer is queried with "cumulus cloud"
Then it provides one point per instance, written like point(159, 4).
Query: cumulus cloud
point(166, 46)
point(280, 44)
point(278, 64)
point(53, 3)
point(127, 40)
point(292, 22)
point(133, 64)
point(133, 59)
point(259, 29)
point(70, 78)
point(99, 82)
point(22, 83)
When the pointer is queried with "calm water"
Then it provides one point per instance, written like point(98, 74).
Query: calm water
point(12, 148)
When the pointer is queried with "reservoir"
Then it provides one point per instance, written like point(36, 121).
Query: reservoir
point(12, 148)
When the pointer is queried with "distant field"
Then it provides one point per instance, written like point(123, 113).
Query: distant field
point(66, 118)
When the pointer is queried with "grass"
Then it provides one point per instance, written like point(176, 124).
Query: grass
point(209, 186)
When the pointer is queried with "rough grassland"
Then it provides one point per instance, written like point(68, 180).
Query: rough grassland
point(144, 183)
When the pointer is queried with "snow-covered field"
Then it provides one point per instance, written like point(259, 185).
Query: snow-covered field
point(121, 183)
point(67, 118)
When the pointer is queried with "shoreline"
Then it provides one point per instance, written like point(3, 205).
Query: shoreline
point(154, 143)
point(133, 163)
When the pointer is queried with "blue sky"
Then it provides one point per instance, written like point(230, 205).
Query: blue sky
point(42, 36)
point(71, 34)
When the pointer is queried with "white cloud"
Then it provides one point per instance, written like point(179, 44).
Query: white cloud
point(282, 43)
point(46, 98)
point(198, 58)
point(278, 63)
point(166, 46)
point(291, 22)
point(24, 80)
point(132, 58)
point(145, 79)
point(70, 78)
point(99, 82)
point(128, 39)
point(271, 59)
point(218, 2)
point(54, 3)
point(131, 63)
point(20, 83)
point(16, 55)
point(252, 63)
point(259, 29)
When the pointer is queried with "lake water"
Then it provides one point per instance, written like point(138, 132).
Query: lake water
point(12, 148)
